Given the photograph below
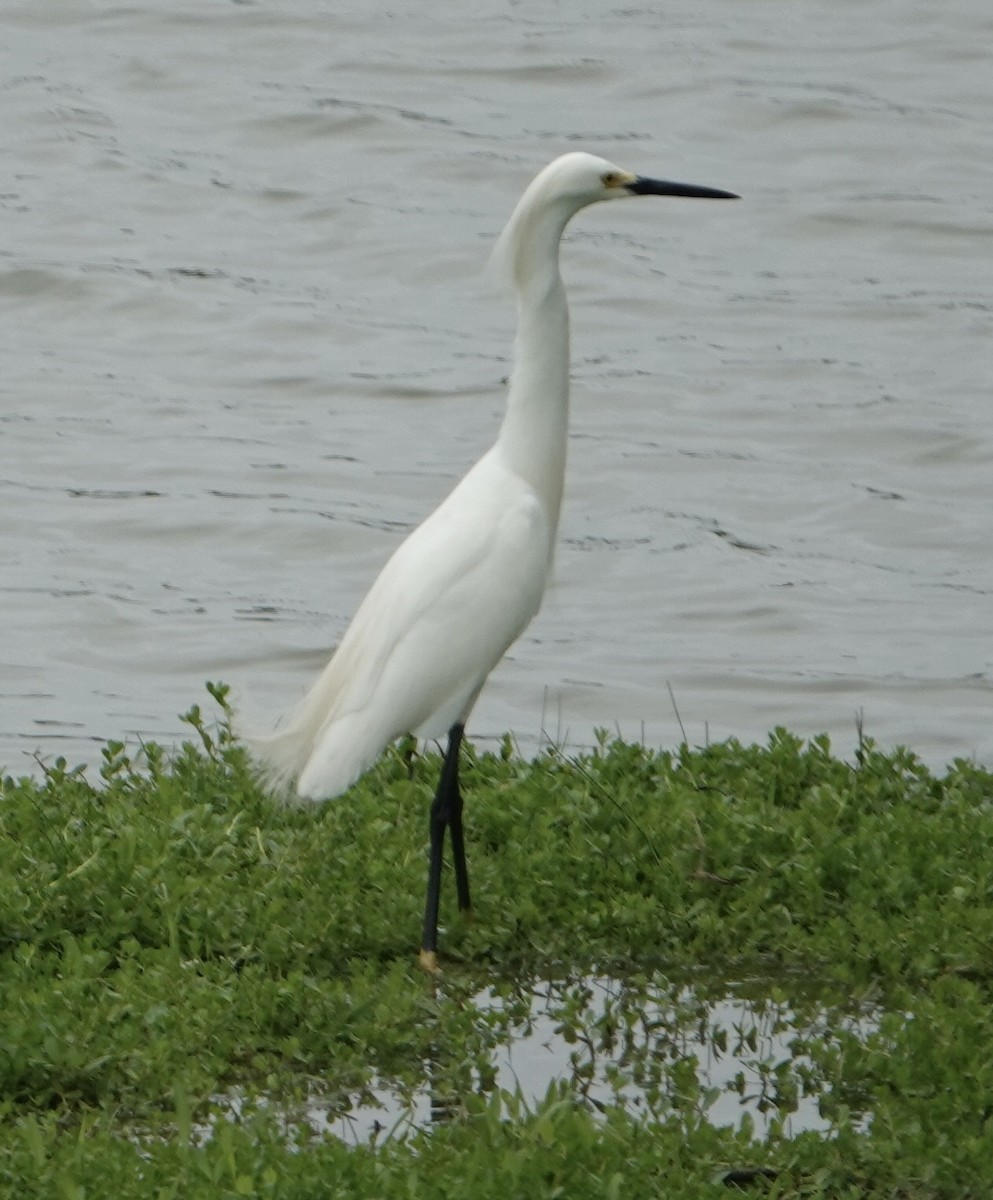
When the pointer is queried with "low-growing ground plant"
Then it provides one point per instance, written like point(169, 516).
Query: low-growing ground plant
point(188, 969)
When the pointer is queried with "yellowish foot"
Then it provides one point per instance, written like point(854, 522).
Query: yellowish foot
point(429, 962)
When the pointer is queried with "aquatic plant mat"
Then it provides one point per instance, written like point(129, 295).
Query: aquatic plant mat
point(758, 968)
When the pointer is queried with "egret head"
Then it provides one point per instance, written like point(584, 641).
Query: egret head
point(579, 179)
point(569, 184)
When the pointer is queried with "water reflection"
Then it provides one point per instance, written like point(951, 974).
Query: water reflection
point(658, 1049)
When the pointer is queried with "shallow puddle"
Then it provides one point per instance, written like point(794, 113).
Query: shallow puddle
point(653, 1047)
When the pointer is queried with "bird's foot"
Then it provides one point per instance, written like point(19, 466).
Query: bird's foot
point(429, 961)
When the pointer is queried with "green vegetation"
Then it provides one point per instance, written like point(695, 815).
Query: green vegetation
point(175, 946)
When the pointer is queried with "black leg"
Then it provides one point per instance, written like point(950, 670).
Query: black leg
point(455, 825)
point(446, 812)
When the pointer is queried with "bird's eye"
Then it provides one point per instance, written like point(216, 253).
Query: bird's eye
point(611, 179)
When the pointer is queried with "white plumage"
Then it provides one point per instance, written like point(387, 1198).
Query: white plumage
point(423, 640)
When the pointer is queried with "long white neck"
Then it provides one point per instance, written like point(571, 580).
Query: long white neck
point(533, 436)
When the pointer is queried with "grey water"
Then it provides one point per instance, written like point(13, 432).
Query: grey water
point(247, 346)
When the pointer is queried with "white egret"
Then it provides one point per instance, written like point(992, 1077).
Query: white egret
point(466, 583)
